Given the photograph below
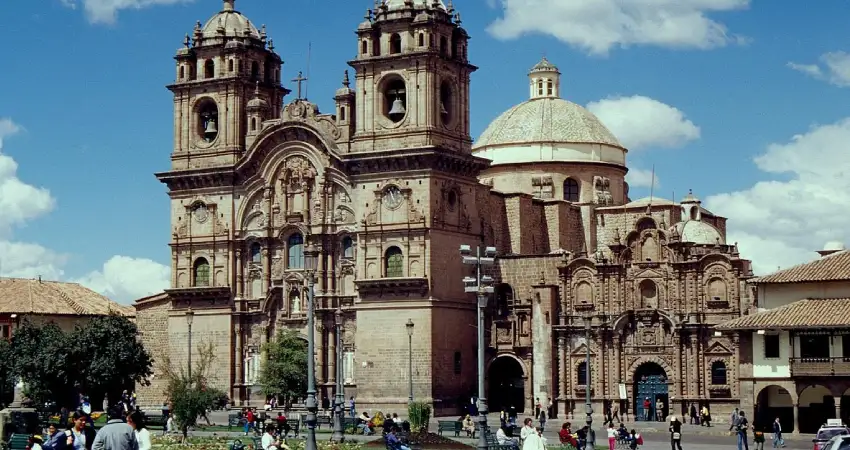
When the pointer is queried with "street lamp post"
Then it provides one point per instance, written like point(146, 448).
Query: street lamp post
point(190, 317)
point(481, 285)
point(591, 435)
point(339, 433)
point(409, 326)
point(311, 261)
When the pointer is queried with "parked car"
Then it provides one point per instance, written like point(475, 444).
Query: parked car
point(833, 428)
point(840, 442)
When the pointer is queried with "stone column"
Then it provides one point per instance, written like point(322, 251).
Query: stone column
point(332, 355)
point(320, 350)
point(240, 279)
point(796, 420)
point(837, 401)
point(618, 371)
point(562, 372)
point(680, 376)
point(693, 370)
point(267, 272)
point(238, 358)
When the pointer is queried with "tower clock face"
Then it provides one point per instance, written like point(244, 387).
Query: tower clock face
point(392, 197)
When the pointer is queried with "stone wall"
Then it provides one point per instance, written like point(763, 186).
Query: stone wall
point(454, 332)
point(152, 320)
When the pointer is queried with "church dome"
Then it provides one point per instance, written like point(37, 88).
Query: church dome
point(229, 22)
point(546, 120)
point(398, 4)
point(548, 128)
point(698, 232)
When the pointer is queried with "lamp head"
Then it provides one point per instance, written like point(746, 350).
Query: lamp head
point(409, 326)
point(190, 316)
point(311, 258)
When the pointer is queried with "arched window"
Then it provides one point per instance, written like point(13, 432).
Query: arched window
point(230, 65)
point(201, 272)
point(444, 46)
point(540, 87)
point(182, 72)
point(718, 373)
point(549, 88)
point(295, 251)
point(395, 44)
point(504, 299)
point(347, 247)
point(253, 124)
point(571, 191)
point(421, 39)
point(255, 71)
point(209, 69)
point(394, 263)
point(364, 47)
point(256, 252)
point(342, 113)
point(581, 374)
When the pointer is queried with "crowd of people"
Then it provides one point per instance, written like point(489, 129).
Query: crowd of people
point(124, 430)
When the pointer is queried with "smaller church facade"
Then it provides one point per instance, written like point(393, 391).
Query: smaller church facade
point(387, 188)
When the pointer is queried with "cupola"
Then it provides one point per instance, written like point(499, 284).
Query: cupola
point(545, 80)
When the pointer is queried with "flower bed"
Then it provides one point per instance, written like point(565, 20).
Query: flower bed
point(425, 440)
point(223, 443)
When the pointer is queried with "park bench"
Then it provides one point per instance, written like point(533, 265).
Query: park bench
point(233, 420)
point(294, 427)
point(492, 443)
point(349, 425)
point(155, 420)
point(324, 420)
point(449, 426)
point(18, 441)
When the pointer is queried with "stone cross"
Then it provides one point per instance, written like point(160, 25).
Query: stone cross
point(299, 80)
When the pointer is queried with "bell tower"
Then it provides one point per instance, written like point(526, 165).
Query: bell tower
point(412, 78)
point(223, 66)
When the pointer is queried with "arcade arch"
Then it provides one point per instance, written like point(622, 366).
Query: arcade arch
point(506, 375)
point(775, 401)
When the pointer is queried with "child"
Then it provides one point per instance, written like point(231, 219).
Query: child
point(635, 440)
point(612, 436)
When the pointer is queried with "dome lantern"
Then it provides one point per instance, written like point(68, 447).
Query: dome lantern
point(229, 5)
point(545, 80)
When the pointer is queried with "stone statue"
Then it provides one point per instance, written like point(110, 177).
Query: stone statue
point(295, 302)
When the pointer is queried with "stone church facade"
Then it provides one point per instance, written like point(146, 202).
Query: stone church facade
point(387, 188)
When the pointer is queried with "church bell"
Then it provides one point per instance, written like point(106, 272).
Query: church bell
point(398, 108)
point(211, 129)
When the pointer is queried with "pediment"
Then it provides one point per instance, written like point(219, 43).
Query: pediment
point(581, 350)
point(717, 348)
point(648, 273)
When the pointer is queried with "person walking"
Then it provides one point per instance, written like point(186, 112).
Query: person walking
point(733, 419)
point(116, 435)
point(694, 415)
point(542, 419)
point(612, 436)
point(675, 433)
point(615, 414)
point(143, 436)
point(777, 434)
point(741, 426)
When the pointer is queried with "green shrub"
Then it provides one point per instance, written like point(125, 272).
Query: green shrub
point(418, 413)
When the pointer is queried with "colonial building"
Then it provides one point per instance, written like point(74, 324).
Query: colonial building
point(387, 188)
point(41, 302)
point(795, 349)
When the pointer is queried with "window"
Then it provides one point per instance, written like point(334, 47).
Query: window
point(295, 251)
point(201, 272)
point(814, 346)
point(182, 72)
point(845, 346)
point(718, 373)
point(549, 89)
point(457, 366)
point(255, 71)
point(364, 47)
point(571, 191)
point(771, 346)
point(230, 65)
point(421, 39)
point(209, 69)
point(581, 374)
point(253, 124)
point(394, 263)
point(539, 88)
point(256, 252)
point(395, 44)
point(504, 299)
point(342, 113)
point(347, 247)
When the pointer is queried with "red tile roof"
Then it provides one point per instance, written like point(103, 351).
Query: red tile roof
point(834, 267)
point(24, 296)
point(807, 313)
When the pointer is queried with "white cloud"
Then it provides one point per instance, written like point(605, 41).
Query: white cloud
point(834, 68)
point(642, 122)
point(642, 178)
point(596, 26)
point(126, 279)
point(106, 11)
point(122, 278)
point(782, 222)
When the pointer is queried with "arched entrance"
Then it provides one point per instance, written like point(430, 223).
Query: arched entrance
point(650, 384)
point(772, 402)
point(507, 385)
point(816, 405)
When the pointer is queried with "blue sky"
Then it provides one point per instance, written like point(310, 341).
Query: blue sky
point(743, 102)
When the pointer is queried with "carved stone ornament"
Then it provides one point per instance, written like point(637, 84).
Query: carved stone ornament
point(277, 268)
point(201, 213)
point(602, 191)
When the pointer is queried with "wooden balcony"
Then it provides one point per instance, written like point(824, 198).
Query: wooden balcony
point(820, 367)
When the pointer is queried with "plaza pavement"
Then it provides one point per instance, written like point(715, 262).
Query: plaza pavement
point(655, 435)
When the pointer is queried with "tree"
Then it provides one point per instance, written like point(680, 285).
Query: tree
point(43, 359)
point(191, 397)
point(7, 373)
point(284, 369)
point(110, 356)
